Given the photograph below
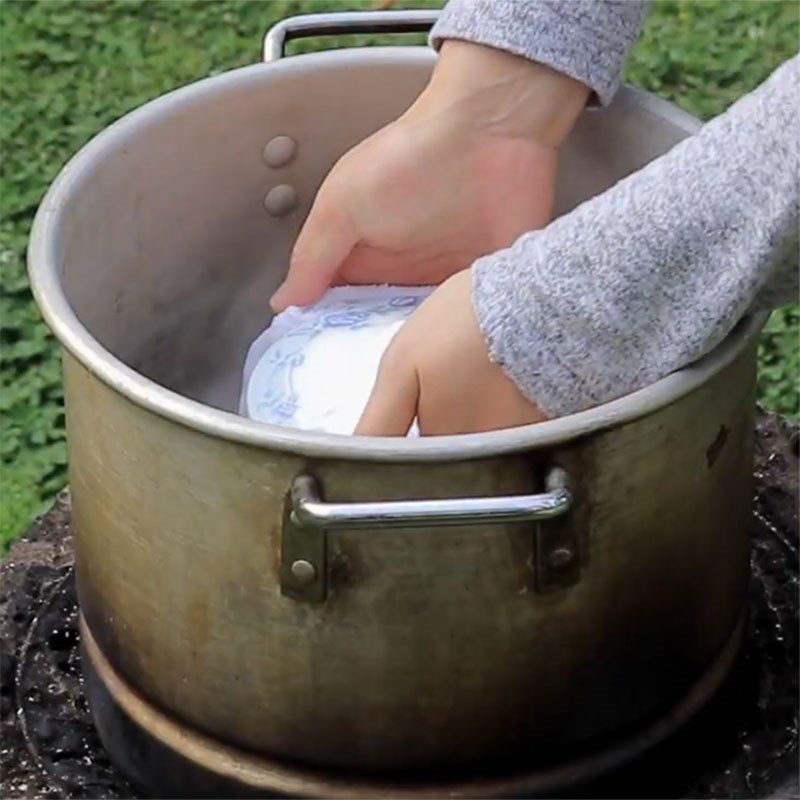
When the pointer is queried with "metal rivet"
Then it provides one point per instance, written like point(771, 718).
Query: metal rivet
point(278, 152)
point(304, 572)
point(560, 557)
point(281, 200)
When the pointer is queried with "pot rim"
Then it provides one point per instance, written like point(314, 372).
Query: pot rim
point(43, 268)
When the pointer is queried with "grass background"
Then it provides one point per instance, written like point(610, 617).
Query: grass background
point(70, 67)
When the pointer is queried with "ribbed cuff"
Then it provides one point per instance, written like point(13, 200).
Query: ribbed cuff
point(585, 39)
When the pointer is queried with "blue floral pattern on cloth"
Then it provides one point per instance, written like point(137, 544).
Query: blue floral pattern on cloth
point(270, 387)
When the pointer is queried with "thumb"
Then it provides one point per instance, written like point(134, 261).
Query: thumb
point(326, 239)
point(392, 405)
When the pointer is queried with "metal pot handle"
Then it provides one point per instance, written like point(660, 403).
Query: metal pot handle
point(310, 511)
point(307, 517)
point(343, 22)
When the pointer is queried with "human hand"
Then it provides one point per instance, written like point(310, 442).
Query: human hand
point(437, 369)
point(464, 172)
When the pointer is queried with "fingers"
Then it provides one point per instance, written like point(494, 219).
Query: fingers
point(392, 406)
point(326, 239)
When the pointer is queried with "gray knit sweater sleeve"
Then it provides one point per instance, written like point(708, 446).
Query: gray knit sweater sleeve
point(586, 39)
point(650, 275)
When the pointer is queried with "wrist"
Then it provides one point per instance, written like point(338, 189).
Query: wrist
point(498, 92)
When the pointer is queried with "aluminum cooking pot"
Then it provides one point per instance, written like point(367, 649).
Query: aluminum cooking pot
point(286, 610)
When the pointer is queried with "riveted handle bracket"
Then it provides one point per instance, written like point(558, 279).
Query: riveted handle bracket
point(307, 517)
point(304, 567)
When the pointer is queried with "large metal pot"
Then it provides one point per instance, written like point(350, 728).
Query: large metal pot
point(518, 597)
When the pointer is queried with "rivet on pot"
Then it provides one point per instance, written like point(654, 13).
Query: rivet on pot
point(281, 200)
point(560, 558)
point(304, 572)
point(278, 152)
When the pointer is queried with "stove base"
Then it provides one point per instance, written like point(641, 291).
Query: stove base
point(167, 759)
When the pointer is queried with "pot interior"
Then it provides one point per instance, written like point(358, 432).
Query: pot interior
point(163, 247)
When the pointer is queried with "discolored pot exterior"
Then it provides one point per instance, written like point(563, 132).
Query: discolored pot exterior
point(433, 645)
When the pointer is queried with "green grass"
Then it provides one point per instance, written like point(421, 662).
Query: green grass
point(70, 67)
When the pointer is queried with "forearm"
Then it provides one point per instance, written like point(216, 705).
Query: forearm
point(587, 40)
point(652, 274)
point(502, 94)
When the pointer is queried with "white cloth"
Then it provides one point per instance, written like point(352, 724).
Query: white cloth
point(313, 368)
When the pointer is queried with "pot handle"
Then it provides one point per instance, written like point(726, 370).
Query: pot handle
point(310, 511)
point(307, 518)
point(343, 22)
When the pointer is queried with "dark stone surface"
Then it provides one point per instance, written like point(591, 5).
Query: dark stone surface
point(743, 745)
